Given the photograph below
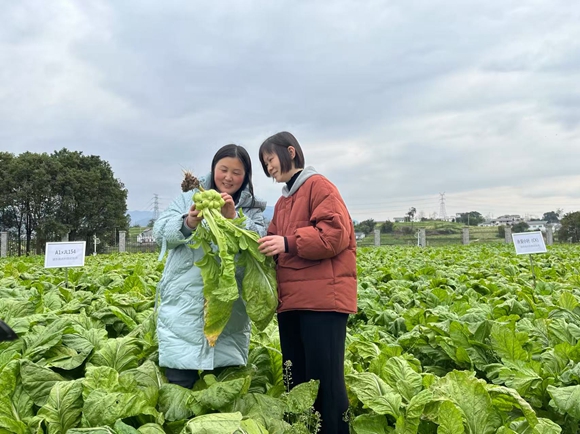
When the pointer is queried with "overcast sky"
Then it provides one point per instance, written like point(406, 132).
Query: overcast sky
point(394, 101)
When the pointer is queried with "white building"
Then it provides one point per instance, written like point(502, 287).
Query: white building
point(146, 237)
point(537, 225)
point(508, 220)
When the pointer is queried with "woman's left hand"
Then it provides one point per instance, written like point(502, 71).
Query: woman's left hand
point(272, 245)
point(229, 208)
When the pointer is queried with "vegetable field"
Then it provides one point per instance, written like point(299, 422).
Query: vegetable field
point(447, 340)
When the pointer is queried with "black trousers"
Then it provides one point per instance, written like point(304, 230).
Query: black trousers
point(182, 377)
point(314, 343)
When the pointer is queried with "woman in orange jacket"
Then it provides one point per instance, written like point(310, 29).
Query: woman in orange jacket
point(312, 235)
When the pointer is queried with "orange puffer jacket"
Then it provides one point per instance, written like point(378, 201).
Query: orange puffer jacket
point(319, 271)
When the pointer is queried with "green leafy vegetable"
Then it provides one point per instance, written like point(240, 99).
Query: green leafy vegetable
point(236, 246)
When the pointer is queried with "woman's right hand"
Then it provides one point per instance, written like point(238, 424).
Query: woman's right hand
point(192, 219)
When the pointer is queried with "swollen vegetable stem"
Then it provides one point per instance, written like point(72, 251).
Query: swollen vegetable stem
point(236, 246)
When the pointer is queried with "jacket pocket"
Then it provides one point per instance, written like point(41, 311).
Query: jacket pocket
point(295, 262)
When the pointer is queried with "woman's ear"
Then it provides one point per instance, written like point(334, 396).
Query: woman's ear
point(292, 152)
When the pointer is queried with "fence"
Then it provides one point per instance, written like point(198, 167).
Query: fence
point(442, 236)
point(12, 245)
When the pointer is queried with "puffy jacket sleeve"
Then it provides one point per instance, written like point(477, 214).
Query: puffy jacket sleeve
point(331, 226)
point(168, 230)
point(255, 219)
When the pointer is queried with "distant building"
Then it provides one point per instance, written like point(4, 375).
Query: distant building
point(508, 220)
point(537, 225)
point(488, 223)
point(146, 237)
point(400, 219)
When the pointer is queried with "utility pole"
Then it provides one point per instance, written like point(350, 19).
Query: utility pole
point(155, 206)
point(442, 211)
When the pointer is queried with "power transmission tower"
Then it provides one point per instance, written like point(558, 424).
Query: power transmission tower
point(442, 211)
point(155, 206)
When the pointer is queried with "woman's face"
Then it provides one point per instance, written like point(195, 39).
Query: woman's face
point(229, 175)
point(274, 169)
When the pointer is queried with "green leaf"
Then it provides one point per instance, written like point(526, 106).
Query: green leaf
point(38, 381)
point(219, 423)
point(250, 426)
point(101, 407)
point(100, 378)
point(259, 285)
point(262, 408)
point(63, 409)
point(409, 423)
point(566, 400)
point(507, 343)
point(146, 375)
point(401, 377)
point(370, 424)
point(173, 402)
point(44, 338)
point(221, 395)
point(129, 322)
point(374, 393)
point(546, 426)
point(472, 398)
point(96, 430)
point(450, 419)
point(151, 428)
point(505, 397)
point(10, 425)
point(567, 301)
point(301, 398)
point(122, 428)
point(120, 354)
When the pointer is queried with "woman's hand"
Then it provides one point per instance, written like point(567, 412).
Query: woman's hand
point(272, 245)
point(192, 219)
point(229, 208)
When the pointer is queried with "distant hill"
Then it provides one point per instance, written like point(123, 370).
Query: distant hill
point(142, 218)
point(269, 212)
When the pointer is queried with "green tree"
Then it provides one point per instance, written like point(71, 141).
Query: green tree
point(570, 230)
point(471, 218)
point(551, 217)
point(387, 227)
point(44, 197)
point(32, 205)
point(8, 218)
point(366, 226)
point(411, 215)
point(93, 201)
point(520, 227)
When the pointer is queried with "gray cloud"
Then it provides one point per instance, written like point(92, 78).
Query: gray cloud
point(394, 101)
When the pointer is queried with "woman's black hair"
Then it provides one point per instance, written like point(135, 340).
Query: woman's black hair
point(235, 151)
point(278, 144)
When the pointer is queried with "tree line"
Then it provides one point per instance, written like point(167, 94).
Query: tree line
point(45, 197)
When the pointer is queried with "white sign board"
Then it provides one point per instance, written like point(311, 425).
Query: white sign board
point(67, 254)
point(529, 242)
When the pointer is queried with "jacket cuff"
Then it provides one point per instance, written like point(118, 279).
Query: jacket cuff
point(185, 229)
point(292, 248)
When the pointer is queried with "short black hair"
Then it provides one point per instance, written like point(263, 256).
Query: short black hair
point(278, 144)
point(239, 152)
